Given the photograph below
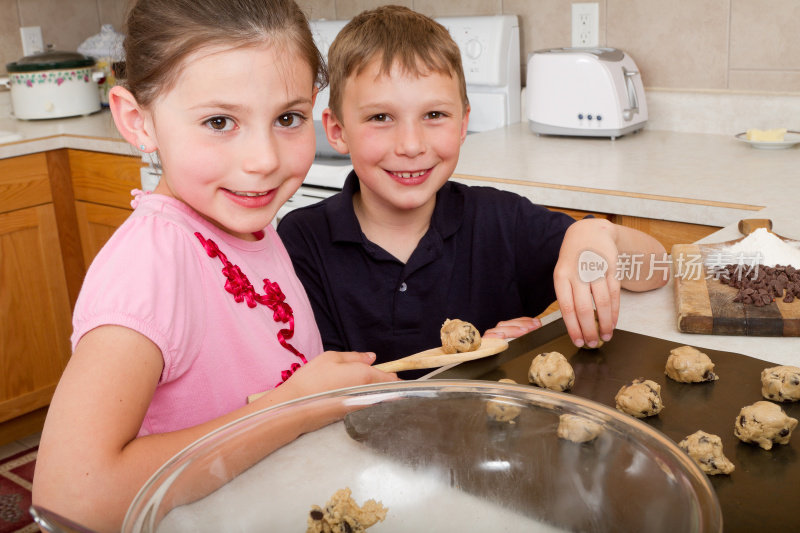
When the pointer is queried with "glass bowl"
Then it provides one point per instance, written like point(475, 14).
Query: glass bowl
point(431, 454)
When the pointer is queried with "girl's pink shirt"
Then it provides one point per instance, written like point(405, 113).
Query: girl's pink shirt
point(154, 276)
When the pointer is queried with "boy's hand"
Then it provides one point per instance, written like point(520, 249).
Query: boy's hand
point(511, 329)
point(579, 297)
point(336, 370)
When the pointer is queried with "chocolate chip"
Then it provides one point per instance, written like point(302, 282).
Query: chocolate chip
point(316, 514)
point(347, 527)
point(783, 432)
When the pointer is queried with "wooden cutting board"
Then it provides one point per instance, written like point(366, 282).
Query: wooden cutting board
point(705, 305)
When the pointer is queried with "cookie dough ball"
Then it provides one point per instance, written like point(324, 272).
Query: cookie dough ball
point(577, 428)
point(642, 398)
point(599, 340)
point(551, 370)
point(689, 365)
point(343, 515)
point(706, 450)
point(459, 336)
point(503, 410)
point(781, 383)
point(765, 424)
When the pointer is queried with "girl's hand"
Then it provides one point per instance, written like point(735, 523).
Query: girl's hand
point(511, 329)
point(336, 370)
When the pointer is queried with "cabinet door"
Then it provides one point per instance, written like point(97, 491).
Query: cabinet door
point(96, 224)
point(104, 178)
point(35, 310)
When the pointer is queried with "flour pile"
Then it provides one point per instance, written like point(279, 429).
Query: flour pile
point(763, 248)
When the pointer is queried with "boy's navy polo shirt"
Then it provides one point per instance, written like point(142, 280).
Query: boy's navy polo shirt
point(487, 256)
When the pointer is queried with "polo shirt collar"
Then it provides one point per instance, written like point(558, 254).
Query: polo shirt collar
point(343, 224)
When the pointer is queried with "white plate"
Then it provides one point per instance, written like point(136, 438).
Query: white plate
point(790, 139)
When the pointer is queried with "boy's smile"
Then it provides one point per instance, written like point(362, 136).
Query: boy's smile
point(244, 116)
point(403, 133)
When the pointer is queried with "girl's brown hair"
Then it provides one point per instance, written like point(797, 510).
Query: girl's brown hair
point(392, 33)
point(160, 34)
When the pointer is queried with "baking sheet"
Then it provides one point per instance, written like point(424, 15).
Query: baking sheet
point(760, 495)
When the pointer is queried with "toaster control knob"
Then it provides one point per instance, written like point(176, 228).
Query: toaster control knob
point(589, 117)
point(599, 117)
point(474, 49)
point(580, 116)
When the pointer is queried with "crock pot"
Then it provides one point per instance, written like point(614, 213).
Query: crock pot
point(53, 84)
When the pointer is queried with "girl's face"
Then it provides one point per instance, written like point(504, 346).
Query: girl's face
point(235, 134)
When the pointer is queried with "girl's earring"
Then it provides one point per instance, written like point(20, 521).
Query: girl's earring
point(142, 147)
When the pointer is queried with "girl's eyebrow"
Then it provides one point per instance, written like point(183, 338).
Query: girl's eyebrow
point(220, 104)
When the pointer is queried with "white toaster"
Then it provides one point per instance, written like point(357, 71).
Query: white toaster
point(594, 92)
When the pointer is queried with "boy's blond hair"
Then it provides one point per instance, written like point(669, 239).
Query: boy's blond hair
point(395, 34)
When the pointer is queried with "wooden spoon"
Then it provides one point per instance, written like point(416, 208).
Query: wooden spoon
point(432, 358)
point(435, 357)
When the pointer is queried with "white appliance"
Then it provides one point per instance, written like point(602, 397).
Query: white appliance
point(595, 92)
point(490, 56)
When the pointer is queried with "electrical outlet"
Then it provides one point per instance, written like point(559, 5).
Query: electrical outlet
point(32, 42)
point(585, 24)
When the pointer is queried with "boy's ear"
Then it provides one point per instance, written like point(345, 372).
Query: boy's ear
point(465, 124)
point(130, 119)
point(334, 131)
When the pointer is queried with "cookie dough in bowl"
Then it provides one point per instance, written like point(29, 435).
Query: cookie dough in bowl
point(641, 398)
point(343, 515)
point(706, 450)
point(765, 424)
point(781, 383)
point(687, 364)
point(459, 336)
point(552, 371)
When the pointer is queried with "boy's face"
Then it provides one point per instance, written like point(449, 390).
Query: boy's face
point(403, 134)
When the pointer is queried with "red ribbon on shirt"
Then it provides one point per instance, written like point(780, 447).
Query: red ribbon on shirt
point(242, 290)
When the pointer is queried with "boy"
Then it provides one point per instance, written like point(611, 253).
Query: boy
point(401, 248)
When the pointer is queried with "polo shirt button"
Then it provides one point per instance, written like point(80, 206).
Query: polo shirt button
point(403, 287)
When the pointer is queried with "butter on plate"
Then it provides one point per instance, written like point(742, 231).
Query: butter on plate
point(776, 135)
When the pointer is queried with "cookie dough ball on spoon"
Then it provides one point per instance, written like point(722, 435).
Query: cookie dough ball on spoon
point(706, 450)
point(781, 383)
point(459, 336)
point(687, 364)
point(551, 370)
point(765, 424)
point(641, 398)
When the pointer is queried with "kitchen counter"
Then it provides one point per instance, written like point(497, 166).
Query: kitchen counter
point(685, 177)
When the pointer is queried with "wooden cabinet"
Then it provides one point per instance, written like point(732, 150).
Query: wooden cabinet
point(57, 209)
point(102, 185)
point(34, 297)
point(96, 224)
point(666, 232)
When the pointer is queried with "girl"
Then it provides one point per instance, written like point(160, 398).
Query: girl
point(193, 303)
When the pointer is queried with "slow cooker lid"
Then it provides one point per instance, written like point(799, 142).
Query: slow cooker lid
point(50, 60)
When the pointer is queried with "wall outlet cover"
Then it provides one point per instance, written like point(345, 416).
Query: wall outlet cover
point(586, 24)
point(32, 42)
